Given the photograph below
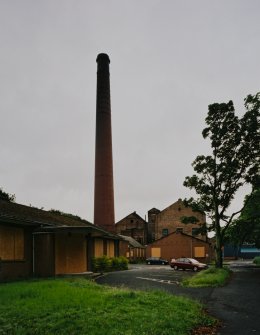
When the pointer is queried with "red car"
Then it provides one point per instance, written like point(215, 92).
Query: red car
point(187, 263)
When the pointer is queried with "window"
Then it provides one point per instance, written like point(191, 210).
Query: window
point(195, 231)
point(199, 252)
point(165, 232)
point(155, 252)
point(11, 243)
point(179, 230)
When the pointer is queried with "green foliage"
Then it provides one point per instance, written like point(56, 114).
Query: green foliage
point(247, 227)
point(78, 306)
point(202, 230)
point(101, 264)
point(119, 263)
point(189, 219)
point(256, 260)
point(68, 215)
point(105, 264)
point(234, 162)
point(211, 277)
point(6, 196)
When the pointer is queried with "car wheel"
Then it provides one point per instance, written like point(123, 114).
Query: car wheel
point(162, 263)
point(148, 263)
point(175, 267)
point(195, 268)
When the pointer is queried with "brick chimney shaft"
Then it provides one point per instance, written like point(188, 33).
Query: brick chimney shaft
point(104, 215)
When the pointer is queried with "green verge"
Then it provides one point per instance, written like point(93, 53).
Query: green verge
point(79, 306)
point(211, 277)
point(256, 260)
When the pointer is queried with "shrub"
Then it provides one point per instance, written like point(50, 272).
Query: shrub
point(101, 264)
point(123, 261)
point(6, 196)
point(256, 260)
point(104, 263)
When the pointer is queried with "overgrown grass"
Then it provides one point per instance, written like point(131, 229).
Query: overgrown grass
point(256, 260)
point(211, 277)
point(78, 306)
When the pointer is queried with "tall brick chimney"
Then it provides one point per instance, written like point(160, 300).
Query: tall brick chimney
point(104, 215)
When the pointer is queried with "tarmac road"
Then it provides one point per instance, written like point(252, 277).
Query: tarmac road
point(236, 305)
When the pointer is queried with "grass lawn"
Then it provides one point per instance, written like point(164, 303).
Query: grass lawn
point(211, 277)
point(79, 306)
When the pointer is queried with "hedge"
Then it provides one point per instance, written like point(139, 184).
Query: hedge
point(106, 264)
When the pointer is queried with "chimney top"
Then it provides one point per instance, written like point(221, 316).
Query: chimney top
point(103, 57)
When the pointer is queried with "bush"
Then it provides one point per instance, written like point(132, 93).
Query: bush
point(256, 260)
point(101, 264)
point(123, 261)
point(105, 264)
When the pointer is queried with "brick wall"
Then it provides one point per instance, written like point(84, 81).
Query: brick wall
point(178, 245)
point(168, 220)
point(133, 226)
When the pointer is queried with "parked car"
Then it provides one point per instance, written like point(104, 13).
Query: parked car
point(187, 263)
point(156, 260)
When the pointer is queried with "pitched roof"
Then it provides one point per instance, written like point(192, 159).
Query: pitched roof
point(134, 214)
point(181, 233)
point(131, 241)
point(37, 216)
point(44, 221)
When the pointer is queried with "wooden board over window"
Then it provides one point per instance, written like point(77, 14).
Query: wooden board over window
point(11, 243)
point(199, 252)
point(156, 252)
point(70, 253)
point(110, 249)
point(99, 247)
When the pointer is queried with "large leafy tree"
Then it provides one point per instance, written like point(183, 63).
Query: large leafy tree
point(246, 229)
point(234, 162)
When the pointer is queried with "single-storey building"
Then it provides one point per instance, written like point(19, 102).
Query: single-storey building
point(179, 244)
point(40, 243)
point(131, 249)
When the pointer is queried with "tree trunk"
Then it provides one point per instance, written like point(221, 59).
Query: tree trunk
point(218, 247)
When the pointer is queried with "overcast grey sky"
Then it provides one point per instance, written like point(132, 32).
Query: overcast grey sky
point(169, 60)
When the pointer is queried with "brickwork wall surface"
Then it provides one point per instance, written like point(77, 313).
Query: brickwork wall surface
point(170, 219)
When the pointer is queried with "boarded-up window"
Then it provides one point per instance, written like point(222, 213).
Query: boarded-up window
point(199, 252)
point(99, 249)
point(110, 249)
point(11, 243)
point(70, 253)
point(156, 252)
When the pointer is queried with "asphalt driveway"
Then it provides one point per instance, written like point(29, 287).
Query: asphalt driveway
point(237, 304)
